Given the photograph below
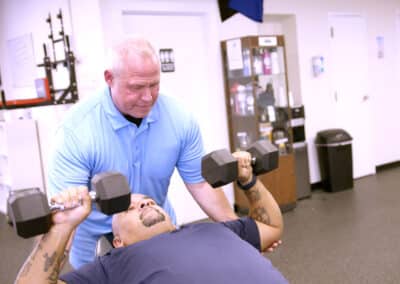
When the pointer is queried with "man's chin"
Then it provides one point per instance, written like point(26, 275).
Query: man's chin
point(140, 112)
point(152, 217)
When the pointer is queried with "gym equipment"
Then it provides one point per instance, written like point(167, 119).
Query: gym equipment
point(69, 94)
point(47, 93)
point(31, 214)
point(220, 167)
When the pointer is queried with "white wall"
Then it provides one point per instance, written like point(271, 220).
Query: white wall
point(310, 19)
point(23, 17)
point(312, 35)
point(85, 31)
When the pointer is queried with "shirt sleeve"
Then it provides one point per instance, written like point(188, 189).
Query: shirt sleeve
point(68, 165)
point(192, 151)
point(246, 228)
point(89, 273)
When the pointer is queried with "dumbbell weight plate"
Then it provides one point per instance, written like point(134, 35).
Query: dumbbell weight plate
point(112, 192)
point(29, 220)
point(266, 156)
point(219, 168)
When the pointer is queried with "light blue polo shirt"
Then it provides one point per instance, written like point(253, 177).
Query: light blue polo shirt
point(95, 137)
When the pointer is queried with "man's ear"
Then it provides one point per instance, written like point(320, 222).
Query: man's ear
point(117, 242)
point(108, 77)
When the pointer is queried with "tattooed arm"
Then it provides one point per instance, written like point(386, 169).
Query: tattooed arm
point(263, 207)
point(43, 265)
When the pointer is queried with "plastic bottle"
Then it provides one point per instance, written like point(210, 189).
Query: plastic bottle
point(246, 62)
point(275, 62)
point(266, 62)
point(240, 100)
point(249, 100)
point(257, 64)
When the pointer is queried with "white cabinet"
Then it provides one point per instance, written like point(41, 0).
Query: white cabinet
point(20, 159)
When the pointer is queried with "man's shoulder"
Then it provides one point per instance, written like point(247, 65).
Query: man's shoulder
point(172, 105)
point(176, 113)
point(83, 113)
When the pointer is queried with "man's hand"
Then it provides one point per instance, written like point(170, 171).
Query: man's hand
point(77, 202)
point(274, 246)
point(245, 170)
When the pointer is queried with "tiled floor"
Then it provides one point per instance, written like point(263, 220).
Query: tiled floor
point(351, 236)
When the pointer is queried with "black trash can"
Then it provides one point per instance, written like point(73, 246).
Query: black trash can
point(335, 159)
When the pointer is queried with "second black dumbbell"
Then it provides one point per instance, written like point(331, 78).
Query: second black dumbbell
point(220, 167)
point(30, 213)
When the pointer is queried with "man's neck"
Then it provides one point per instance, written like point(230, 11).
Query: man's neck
point(133, 119)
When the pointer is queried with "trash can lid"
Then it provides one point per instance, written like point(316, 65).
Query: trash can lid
point(331, 136)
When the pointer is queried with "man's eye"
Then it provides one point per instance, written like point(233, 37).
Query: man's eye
point(130, 208)
point(134, 88)
point(154, 85)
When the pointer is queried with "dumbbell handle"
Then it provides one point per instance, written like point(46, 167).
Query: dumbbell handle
point(61, 207)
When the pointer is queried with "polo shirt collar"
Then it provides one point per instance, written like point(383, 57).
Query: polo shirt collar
point(118, 120)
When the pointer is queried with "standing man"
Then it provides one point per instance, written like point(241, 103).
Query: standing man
point(130, 128)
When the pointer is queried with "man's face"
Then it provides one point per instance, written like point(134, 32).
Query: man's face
point(135, 87)
point(143, 220)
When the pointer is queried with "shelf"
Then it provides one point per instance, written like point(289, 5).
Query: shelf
point(257, 100)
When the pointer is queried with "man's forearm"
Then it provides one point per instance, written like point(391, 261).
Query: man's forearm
point(212, 201)
point(43, 265)
point(263, 207)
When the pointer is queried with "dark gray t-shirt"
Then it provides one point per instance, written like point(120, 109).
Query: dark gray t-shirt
point(198, 253)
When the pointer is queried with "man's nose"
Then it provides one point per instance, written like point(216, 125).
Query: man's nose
point(146, 95)
point(145, 203)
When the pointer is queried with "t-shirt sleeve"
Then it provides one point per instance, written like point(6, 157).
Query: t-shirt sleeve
point(246, 228)
point(68, 165)
point(192, 150)
point(89, 273)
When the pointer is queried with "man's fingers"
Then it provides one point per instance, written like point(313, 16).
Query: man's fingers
point(71, 197)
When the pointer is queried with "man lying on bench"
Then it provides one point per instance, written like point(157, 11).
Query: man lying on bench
point(150, 249)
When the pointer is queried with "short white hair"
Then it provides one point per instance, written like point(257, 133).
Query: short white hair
point(126, 48)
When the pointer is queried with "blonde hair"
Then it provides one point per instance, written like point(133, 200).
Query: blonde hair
point(127, 49)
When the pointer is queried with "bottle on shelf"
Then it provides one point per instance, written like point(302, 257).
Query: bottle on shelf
point(240, 101)
point(275, 62)
point(265, 126)
point(246, 62)
point(267, 62)
point(257, 61)
point(243, 140)
point(249, 100)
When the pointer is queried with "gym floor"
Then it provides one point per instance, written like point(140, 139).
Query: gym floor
point(350, 236)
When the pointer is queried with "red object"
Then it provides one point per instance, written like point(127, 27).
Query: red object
point(42, 90)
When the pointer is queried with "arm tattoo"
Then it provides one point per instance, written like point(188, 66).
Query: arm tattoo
point(253, 195)
point(53, 277)
point(260, 214)
point(49, 261)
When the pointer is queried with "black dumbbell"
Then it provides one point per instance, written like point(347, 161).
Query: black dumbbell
point(220, 167)
point(30, 212)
